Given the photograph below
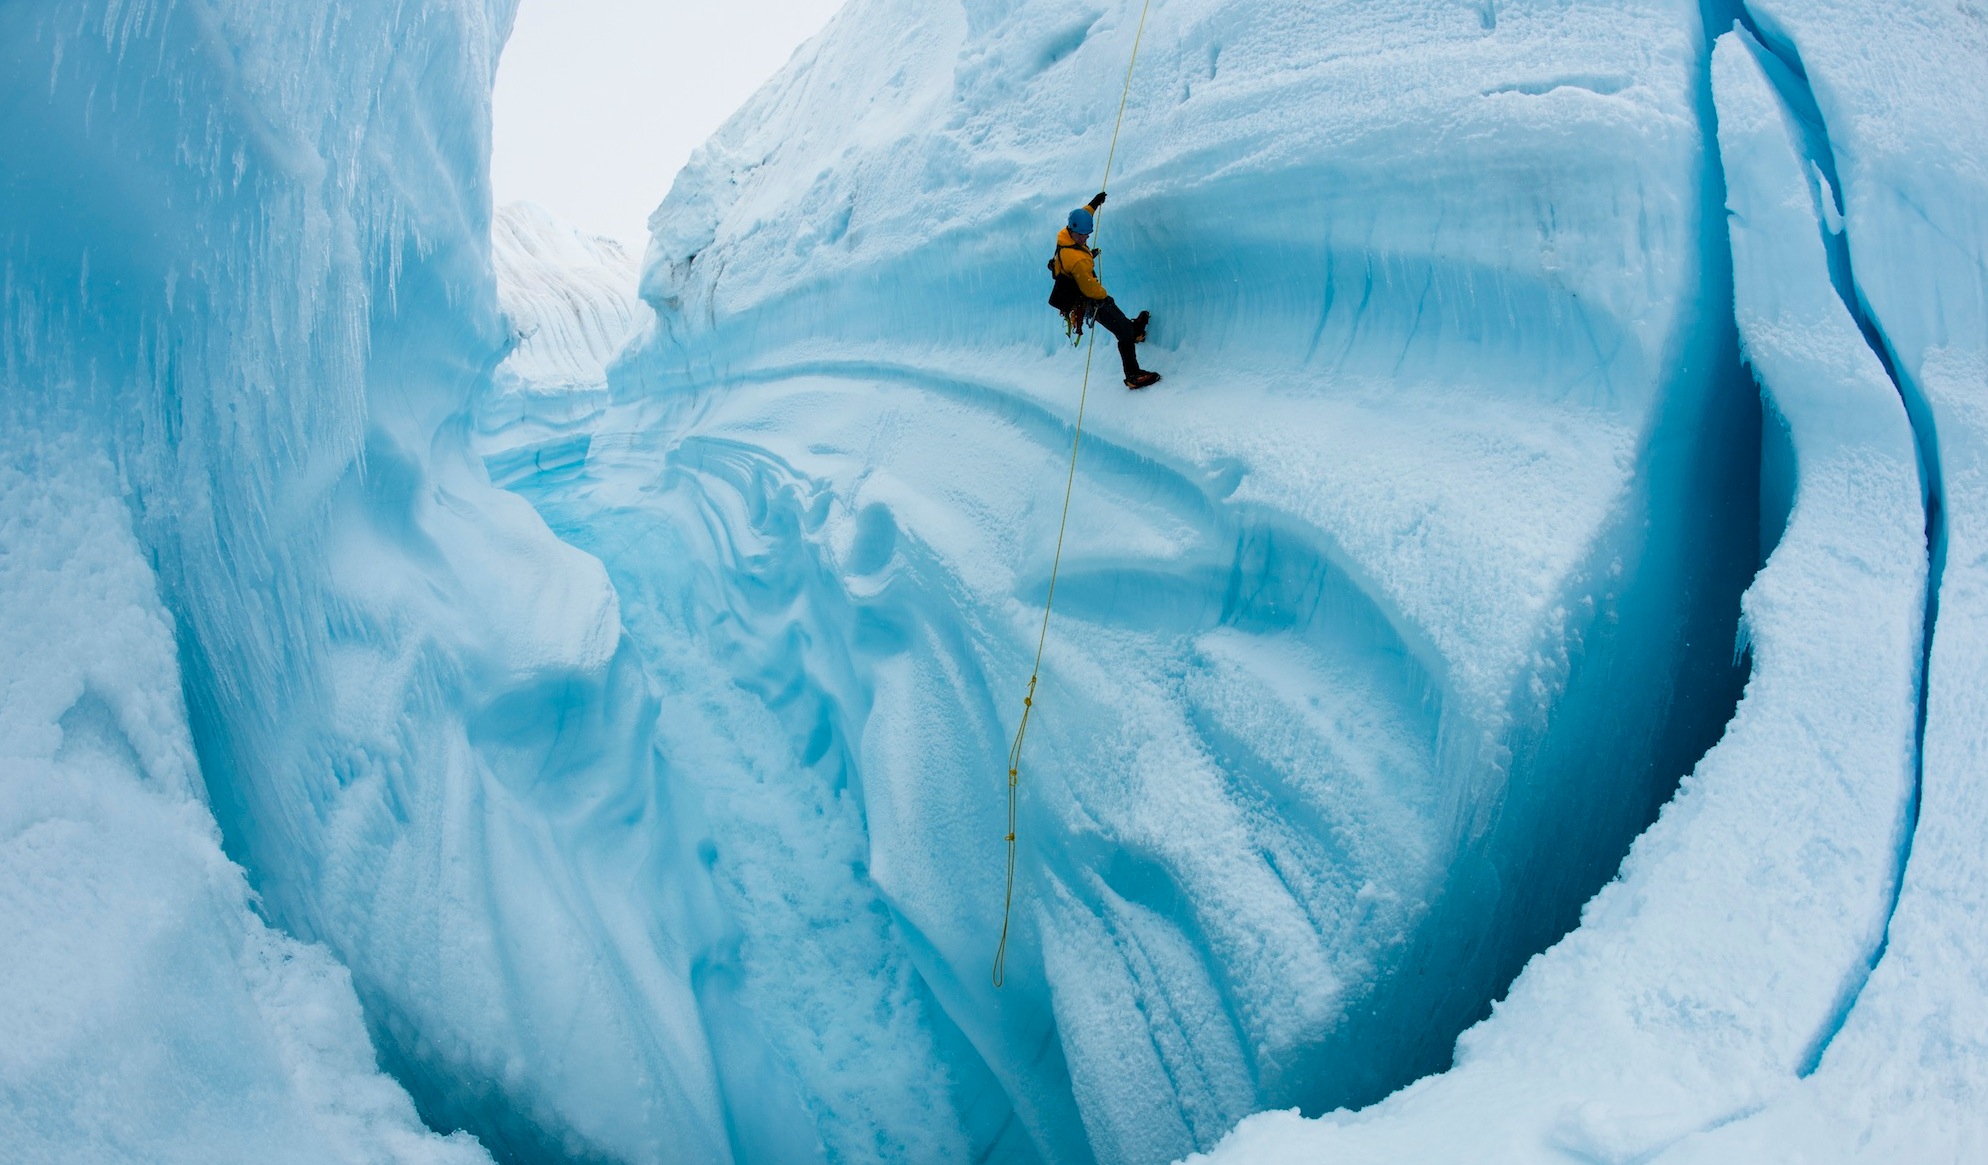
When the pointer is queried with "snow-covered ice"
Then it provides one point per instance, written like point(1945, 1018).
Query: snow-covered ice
point(1515, 687)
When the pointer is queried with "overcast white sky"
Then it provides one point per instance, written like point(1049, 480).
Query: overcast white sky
point(600, 102)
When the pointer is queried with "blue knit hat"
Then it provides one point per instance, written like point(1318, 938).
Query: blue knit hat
point(1082, 222)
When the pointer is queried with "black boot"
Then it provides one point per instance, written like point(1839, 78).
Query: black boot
point(1142, 380)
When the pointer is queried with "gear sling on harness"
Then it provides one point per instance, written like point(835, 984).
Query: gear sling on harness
point(1065, 296)
point(1056, 568)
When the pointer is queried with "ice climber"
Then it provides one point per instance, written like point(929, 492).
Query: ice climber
point(1081, 297)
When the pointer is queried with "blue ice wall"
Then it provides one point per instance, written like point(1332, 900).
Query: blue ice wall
point(1385, 623)
point(657, 812)
point(1776, 966)
point(246, 253)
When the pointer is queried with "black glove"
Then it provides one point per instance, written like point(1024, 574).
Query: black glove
point(1098, 201)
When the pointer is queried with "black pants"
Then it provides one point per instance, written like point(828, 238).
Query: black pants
point(1105, 314)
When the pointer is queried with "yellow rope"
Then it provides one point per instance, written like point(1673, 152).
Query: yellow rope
point(1056, 567)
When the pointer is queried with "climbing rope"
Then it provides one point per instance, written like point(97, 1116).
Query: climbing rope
point(1056, 566)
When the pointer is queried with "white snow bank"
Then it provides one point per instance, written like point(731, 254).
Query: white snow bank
point(570, 297)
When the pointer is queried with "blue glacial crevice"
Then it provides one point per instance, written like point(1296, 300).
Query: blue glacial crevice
point(654, 803)
point(651, 807)
point(1290, 821)
point(1757, 897)
point(1781, 62)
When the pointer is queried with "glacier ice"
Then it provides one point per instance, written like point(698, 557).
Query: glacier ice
point(1706, 980)
point(1321, 692)
point(1839, 135)
point(228, 317)
point(148, 1013)
point(649, 808)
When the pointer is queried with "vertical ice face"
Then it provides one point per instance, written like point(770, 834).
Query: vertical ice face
point(187, 234)
point(246, 257)
point(1384, 626)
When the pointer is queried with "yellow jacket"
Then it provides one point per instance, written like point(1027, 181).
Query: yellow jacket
point(1078, 264)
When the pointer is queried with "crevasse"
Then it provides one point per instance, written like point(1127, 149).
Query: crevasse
point(652, 810)
point(1323, 703)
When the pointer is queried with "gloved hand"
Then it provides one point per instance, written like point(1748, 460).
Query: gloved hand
point(1098, 201)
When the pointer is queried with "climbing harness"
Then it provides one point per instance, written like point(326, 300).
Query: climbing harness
point(1067, 298)
point(1056, 566)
